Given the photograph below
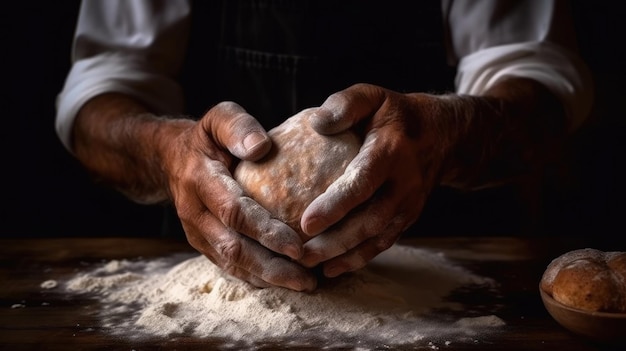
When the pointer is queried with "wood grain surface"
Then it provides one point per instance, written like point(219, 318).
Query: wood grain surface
point(33, 318)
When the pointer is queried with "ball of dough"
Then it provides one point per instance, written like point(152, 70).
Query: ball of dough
point(299, 167)
point(588, 279)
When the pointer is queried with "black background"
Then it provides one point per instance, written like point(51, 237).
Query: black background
point(50, 195)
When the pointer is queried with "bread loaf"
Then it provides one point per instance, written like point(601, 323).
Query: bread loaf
point(588, 279)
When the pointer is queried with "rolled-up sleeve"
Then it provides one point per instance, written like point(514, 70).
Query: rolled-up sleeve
point(492, 40)
point(135, 47)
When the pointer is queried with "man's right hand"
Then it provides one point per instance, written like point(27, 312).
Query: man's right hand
point(153, 159)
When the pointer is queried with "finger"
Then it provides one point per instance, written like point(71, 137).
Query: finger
point(198, 242)
point(353, 231)
point(359, 256)
point(358, 183)
point(248, 260)
point(226, 199)
point(246, 257)
point(231, 127)
point(346, 108)
point(358, 226)
point(406, 210)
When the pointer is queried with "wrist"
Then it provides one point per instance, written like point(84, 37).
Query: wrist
point(502, 135)
point(469, 129)
point(124, 146)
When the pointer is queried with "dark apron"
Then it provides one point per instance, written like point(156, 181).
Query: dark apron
point(277, 57)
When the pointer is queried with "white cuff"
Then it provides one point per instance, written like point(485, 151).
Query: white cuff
point(559, 70)
point(113, 73)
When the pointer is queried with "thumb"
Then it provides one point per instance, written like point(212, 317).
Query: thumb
point(232, 128)
point(346, 108)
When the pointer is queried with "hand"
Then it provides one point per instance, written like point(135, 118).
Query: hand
point(414, 142)
point(383, 190)
point(231, 229)
point(153, 159)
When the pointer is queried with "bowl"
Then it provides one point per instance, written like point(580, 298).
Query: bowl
point(597, 326)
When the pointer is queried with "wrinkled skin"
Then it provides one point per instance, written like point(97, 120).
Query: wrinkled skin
point(189, 163)
point(384, 188)
point(414, 142)
point(219, 220)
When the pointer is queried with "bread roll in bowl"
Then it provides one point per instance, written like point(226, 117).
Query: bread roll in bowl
point(588, 279)
point(299, 167)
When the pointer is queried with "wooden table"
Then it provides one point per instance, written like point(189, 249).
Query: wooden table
point(36, 318)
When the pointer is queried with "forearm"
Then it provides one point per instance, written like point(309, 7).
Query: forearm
point(509, 132)
point(122, 145)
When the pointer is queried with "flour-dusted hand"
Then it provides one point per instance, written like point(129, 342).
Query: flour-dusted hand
point(413, 143)
point(222, 222)
point(525, 87)
point(188, 162)
point(383, 189)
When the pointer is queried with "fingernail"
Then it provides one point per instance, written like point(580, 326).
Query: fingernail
point(313, 226)
point(332, 271)
point(311, 259)
point(293, 251)
point(253, 140)
point(304, 284)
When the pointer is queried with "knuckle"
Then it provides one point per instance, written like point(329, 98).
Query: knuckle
point(353, 262)
point(360, 86)
point(358, 262)
point(271, 237)
point(273, 270)
point(344, 246)
point(338, 98)
point(231, 213)
point(384, 242)
point(231, 252)
point(360, 186)
point(226, 106)
point(365, 186)
point(360, 176)
point(350, 186)
point(386, 238)
point(184, 211)
point(237, 115)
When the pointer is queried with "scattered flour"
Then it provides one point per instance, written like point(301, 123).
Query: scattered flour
point(397, 299)
point(49, 284)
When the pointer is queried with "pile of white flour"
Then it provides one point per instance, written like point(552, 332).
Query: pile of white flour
point(393, 301)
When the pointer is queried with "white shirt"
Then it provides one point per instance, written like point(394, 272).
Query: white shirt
point(136, 47)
